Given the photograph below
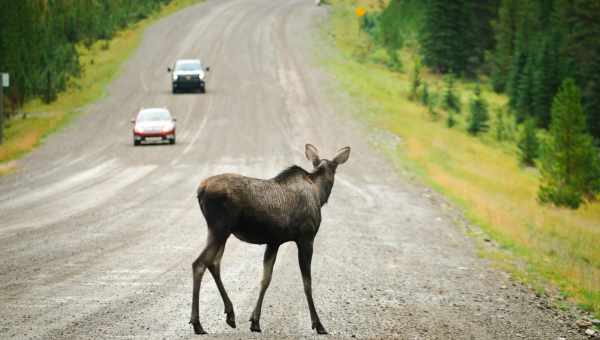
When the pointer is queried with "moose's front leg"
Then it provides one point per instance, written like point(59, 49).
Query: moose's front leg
point(305, 251)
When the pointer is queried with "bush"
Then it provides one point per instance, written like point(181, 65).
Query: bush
point(415, 80)
point(425, 98)
point(528, 144)
point(504, 126)
point(479, 117)
point(450, 100)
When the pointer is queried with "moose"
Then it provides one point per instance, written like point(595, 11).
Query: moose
point(264, 211)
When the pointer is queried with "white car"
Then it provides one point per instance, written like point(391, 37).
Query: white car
point(188, 74)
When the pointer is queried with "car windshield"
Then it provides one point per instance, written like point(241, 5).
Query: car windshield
point(189, 66)
point(153, 115)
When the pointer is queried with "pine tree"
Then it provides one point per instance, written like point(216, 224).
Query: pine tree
point(433, 114)
point(570, 165)
point(478, 117)
point(425, 94)
point(415, 80)
point(520, 78)
point(546, 78)
point(504, 34)
point(524, 87)
point(450, 100)
point(582, 48)
point(500, 126)
point(478, 33)
point(442, 34)
point(528, 144)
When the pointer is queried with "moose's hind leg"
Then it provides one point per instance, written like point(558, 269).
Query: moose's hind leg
point(268, 263)
point(205, 259)
point(215, 270)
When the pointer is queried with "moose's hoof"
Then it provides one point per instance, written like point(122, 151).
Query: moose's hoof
point(231, 319)
point(255, 326)
point(320, 329)
point(197, 327)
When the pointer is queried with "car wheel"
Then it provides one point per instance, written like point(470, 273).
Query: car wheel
point(173, 90)
point(172, 140)
point(136, 142)
point(203, 89)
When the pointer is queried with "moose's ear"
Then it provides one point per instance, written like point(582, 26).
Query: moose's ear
point(342, 155)
point(312, 154)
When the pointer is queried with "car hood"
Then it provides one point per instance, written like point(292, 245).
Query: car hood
point(189, 73)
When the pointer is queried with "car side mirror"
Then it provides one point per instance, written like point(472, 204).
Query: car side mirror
point(133, 121)
point(207, 69)
point(169, 69)
point(174, 119)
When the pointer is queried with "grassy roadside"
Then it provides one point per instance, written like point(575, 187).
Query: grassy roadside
point(23, 134)
point(541, 245)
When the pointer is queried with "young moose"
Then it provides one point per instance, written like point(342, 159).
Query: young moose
point(272, 212)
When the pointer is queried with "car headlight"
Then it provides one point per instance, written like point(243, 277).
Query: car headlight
point(167, 128)
point(174, 76)
point(139, 129)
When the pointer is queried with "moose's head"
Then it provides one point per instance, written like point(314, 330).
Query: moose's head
point(321, 164)
point(324, 170)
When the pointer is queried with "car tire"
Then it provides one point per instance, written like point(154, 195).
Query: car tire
point(173, 90)
point(136, 142)
point(203, 89)
point(172, 141)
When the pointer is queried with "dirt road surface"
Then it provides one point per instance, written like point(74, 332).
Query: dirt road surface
point(97, 237)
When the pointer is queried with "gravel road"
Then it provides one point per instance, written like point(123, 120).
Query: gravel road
point(97, 237)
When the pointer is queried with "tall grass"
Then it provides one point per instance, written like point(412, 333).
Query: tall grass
point(559, 247)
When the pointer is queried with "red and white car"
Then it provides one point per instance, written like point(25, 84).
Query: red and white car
point(155, 124)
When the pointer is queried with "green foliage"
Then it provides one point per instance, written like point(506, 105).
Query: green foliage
point(38, 39)
point(504, 34)
point(580, 25)
point(570, 165)
point(546, 79)
point(478, 114)
point(450, 120)
point(450, 100)
point(442, 36)
point(401, 20)
point(504, 129)
point(415, 81)
point(433, 113)
point(425, 97)
point(456, 33)
point(528, 143)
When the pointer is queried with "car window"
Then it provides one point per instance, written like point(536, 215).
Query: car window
point(190, 66)
point(153, 115)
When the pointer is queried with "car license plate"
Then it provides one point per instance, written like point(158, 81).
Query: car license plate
point(153, 139)
point(188, 77)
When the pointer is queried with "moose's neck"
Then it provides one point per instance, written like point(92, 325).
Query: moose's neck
point(323, 184)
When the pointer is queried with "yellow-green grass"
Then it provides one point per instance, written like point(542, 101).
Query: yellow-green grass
point(542, 245)
point(24, 134)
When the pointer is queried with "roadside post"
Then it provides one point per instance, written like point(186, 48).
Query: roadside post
point(360, 13)
point(4, 83)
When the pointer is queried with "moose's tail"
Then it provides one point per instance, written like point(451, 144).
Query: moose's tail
point(200, 193)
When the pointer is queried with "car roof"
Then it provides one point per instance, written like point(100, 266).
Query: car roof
point(188, 61)
point(153, 109)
